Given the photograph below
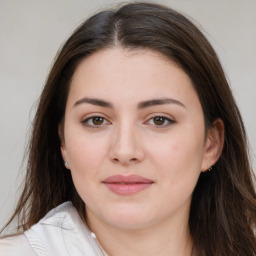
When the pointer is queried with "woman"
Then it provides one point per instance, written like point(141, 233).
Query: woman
point(138, 147)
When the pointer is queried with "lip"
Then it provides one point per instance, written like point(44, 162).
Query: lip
point(127, 185)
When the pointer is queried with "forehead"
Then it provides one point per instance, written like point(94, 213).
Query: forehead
point(130, 75)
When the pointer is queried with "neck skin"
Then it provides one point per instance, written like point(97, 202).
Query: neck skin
point(169, 237)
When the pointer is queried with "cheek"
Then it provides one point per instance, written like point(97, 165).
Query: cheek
point(85, 155)
point(178, 158)
point(85, 152)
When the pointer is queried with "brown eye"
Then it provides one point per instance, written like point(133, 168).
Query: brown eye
point(159, 120)
point(97, 120)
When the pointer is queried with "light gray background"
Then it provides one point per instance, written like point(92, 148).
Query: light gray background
point(31, 32)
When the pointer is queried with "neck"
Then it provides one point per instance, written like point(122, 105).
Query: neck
point(169, 237)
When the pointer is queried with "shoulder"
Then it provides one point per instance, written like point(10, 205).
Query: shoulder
point(17, 245)
point(62, 232)
point(30, 243)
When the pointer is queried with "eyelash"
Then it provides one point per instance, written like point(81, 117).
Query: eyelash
point(88, 119)
point(104, 120)
point(167, 121)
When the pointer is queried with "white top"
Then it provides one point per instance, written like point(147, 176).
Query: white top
point(60, 232)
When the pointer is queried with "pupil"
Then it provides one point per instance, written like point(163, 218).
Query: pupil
point(159, 120)
point(97, 120)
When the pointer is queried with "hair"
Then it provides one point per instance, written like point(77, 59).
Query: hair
point(223, 208)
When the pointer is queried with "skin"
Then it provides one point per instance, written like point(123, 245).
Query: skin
point(171, 151)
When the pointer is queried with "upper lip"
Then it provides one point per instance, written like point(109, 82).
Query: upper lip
point(127, 179)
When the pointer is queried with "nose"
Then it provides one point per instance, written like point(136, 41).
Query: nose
point(126, 146)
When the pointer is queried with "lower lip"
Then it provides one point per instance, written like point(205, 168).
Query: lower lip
point(127, 189)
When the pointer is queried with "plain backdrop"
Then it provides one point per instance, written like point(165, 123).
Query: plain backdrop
point(31, 32)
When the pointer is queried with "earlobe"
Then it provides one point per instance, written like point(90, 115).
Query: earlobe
point(62, 145)
point(214, 144)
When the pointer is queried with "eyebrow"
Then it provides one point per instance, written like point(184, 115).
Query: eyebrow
point(161, 101)
point(93, 101)
point(141, 105)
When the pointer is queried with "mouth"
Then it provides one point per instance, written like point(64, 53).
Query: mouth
point(127, 185)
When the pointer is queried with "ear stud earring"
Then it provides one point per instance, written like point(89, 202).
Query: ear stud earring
point(66, 163)
point(209, 169)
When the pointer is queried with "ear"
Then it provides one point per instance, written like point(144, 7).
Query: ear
point(63, 145)
point(213, 144)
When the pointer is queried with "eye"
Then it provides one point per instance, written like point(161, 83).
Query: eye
point(95, 121)
point(160, 121)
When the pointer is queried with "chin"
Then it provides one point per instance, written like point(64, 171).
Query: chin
point(129, 219)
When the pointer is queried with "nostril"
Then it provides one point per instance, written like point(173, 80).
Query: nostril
point(127, 161)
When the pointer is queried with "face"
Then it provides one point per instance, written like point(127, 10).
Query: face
point(134, 138)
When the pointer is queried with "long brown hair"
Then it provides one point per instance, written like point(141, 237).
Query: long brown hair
point(223, 209)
